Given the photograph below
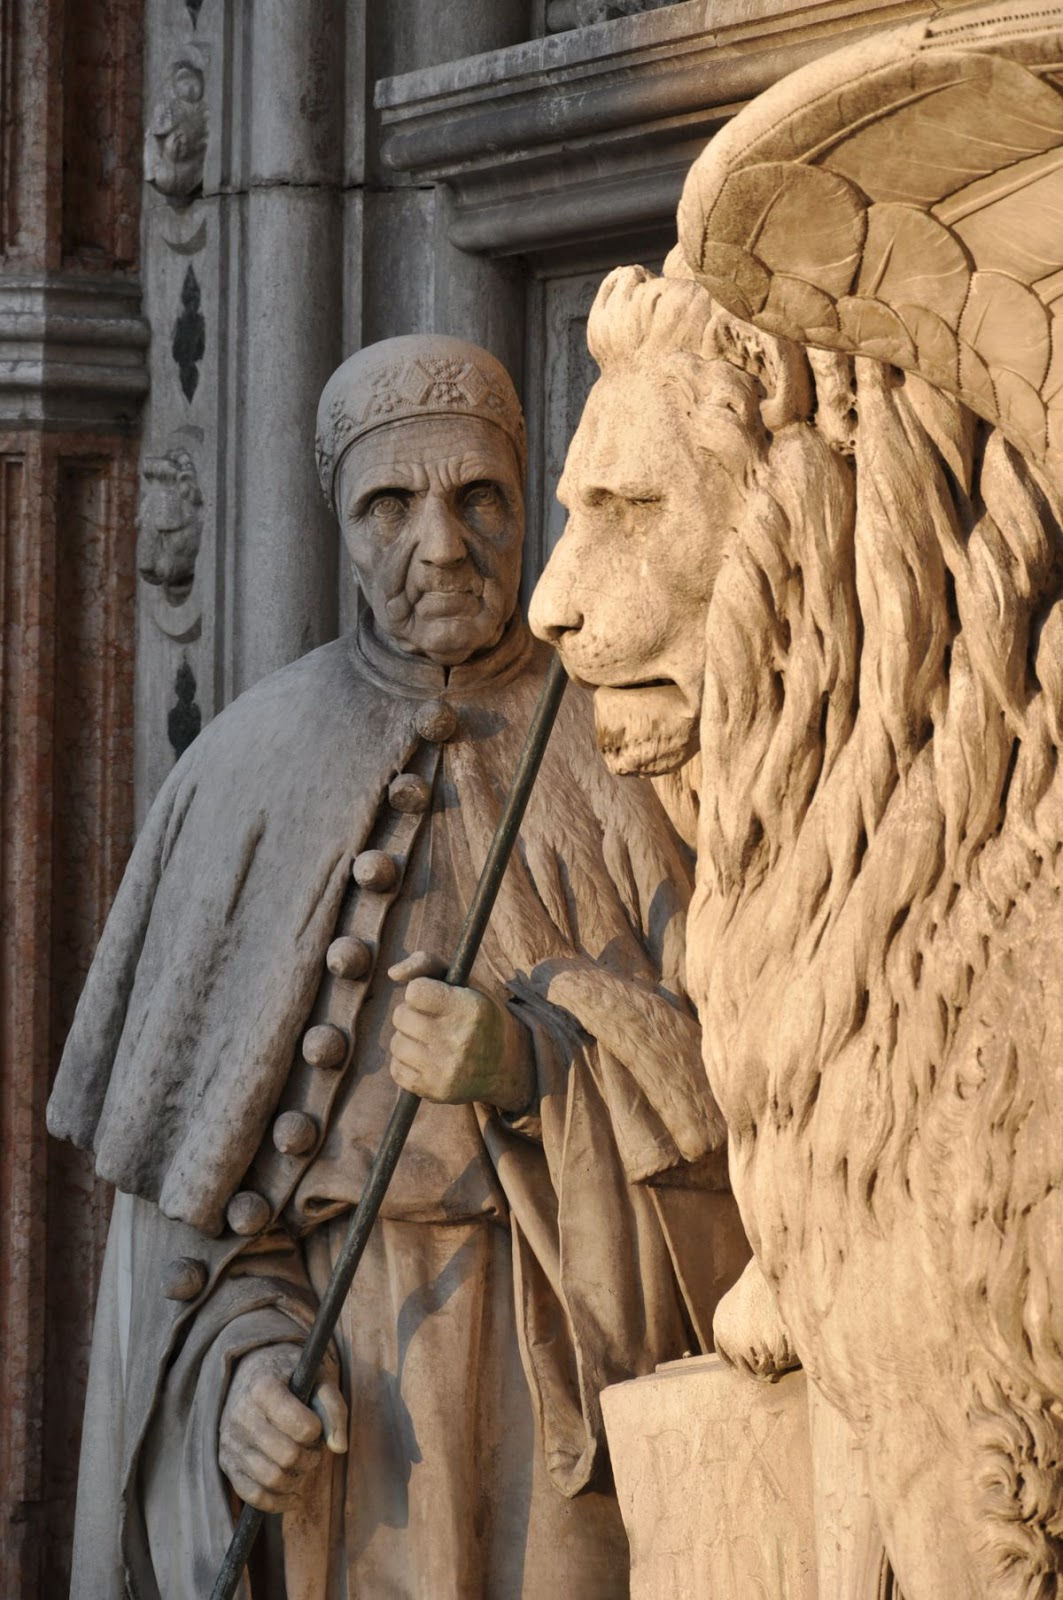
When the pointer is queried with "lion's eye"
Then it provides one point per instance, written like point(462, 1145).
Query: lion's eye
point(619, 502)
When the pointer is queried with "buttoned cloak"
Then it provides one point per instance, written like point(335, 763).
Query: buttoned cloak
point(211, 960)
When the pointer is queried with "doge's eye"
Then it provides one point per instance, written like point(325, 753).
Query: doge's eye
point(387, 507)
point(479, 495)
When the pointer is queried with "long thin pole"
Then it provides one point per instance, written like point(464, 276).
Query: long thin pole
point(304, 1377)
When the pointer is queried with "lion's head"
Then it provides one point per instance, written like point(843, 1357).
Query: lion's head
point(659, 477)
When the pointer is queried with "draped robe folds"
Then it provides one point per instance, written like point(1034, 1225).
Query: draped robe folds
point(621, 1232)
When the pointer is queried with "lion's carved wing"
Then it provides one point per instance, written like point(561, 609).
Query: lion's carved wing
point(903, 199)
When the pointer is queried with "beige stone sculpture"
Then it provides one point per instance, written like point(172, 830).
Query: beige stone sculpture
point(272, 951)
point(814, 568)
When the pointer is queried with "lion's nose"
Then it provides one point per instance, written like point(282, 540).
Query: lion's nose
point(553, 631)
point(555, 611)
point(550, 617)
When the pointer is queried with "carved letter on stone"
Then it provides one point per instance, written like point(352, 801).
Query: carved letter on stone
point(175, 143)
point(814, 566)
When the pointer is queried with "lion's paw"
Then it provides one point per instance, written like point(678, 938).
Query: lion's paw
point(748, 1329)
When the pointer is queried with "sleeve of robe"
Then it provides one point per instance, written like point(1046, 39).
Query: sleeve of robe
point(154, 1512)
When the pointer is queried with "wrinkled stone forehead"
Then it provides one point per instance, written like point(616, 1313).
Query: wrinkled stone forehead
point(414, 375)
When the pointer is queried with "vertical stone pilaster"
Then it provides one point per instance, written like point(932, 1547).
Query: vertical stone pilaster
point(248, 245)
point(66, 503)
point(72, 379)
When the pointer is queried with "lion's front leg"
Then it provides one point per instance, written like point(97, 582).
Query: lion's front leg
point(749, 1331)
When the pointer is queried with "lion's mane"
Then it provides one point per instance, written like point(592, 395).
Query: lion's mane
point(881, 821)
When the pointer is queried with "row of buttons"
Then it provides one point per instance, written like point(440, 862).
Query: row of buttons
point(326, 1045)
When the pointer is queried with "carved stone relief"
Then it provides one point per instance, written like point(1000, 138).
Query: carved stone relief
point(169, 523)
point(189, 342)
point(175, 143)
point(814, 565)
point(242, 287)
point(185, 718)
point(169, 535)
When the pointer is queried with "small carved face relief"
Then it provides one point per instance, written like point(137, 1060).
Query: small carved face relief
point(433, 517)
point(624, 596)
point(175, 143)
point(169, 523)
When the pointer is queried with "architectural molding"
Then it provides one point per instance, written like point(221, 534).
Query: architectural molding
point(72, 350)
point(585, 136)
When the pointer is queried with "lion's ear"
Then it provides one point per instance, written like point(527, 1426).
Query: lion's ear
point(779, 365)
point(787, 383)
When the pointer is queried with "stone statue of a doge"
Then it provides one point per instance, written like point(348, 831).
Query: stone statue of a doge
point(814, 569)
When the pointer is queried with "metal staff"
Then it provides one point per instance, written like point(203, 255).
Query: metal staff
point(401, 1120)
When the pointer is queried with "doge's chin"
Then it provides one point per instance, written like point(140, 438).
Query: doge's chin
point(647, 729)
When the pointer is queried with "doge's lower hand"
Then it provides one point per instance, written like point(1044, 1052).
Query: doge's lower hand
point(268, 1441)
point(456, 1045)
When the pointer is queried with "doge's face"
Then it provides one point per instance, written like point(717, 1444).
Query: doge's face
point(432, 514)
point(625, 594)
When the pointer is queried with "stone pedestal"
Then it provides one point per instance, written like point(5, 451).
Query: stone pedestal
point(732, 1489)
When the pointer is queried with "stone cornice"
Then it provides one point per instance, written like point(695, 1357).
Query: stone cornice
point(72, 350)
point(565, 140)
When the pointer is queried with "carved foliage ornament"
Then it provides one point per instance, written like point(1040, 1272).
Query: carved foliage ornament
point(189, 343)
point(808, 216)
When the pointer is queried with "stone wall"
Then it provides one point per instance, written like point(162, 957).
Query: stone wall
point(72, 378)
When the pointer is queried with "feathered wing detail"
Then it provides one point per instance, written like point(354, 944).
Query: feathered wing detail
point(902, 199)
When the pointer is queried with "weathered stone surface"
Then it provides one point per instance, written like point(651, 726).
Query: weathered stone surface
point(818, 590)
point(714, 1477)
point(66, 531)
point(243, 290)
point(72, 377)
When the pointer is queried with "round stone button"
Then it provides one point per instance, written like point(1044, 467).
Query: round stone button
point(348, 958)
point(375, 869)
point(408, 792)
point(184, 1278)
point(325, 1046)
point(247, 1212)
point(436, 721)
point(294, 1133)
